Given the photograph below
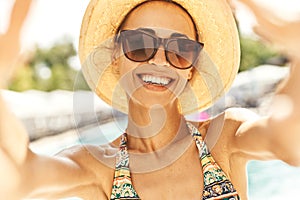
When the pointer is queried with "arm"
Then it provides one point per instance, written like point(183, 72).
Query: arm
point(70, 173)
point(278, 135)
point(10, 41)
point(22, 172)
point(12, 133)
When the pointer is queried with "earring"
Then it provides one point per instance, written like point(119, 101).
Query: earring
point(115, 67)
point(190, 75)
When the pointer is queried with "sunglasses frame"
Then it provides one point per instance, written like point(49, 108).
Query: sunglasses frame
point(158, 41)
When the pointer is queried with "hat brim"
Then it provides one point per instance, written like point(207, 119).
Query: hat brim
point(215, 71)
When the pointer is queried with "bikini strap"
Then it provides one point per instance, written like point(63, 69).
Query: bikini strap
point(216, 183)
point(122, 185)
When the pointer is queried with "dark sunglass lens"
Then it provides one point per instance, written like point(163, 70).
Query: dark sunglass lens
point(182, 53)
point(137, 46)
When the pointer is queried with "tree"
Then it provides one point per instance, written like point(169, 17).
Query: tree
point(49, 69)
point(254, 53)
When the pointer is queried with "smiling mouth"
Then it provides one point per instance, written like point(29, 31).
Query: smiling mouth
point(159, 81)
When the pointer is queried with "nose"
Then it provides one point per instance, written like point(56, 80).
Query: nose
point(159, 58)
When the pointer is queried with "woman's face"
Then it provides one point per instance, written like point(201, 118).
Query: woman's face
point(156, 81)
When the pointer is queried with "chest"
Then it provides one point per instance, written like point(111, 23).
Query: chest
point(182, 179)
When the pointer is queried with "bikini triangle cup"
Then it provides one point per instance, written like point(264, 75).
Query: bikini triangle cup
point(216, 183)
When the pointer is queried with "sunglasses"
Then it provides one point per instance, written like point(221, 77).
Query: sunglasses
point(141, 46)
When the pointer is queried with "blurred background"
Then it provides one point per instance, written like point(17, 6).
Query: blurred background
point(48, 92)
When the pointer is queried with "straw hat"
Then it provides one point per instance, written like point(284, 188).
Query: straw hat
point(215, 71)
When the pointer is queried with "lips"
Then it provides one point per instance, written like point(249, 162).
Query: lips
point(152, 80)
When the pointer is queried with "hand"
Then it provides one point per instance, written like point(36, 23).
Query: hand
point(285, 35)
point(9, 52)
point(10, 41)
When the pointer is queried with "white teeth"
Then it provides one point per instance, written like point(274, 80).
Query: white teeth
point(156, 80)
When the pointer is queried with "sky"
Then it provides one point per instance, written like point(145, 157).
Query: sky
point(50, 20)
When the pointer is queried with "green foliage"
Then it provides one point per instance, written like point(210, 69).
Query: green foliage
point(23, 79)
point(49, 69)
point(254, 53)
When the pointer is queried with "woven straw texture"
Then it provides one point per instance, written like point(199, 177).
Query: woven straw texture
point(215, 71)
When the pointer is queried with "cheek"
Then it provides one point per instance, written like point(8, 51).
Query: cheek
point(125, 65)
point(186, 74)
point(121, 64)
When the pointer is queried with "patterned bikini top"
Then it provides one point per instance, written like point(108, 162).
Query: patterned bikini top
point(216, 184)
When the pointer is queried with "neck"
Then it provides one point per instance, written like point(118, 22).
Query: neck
point(150, 129)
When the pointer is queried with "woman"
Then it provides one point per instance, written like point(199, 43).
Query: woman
point(168, 61)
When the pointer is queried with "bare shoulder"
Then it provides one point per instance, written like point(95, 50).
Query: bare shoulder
point(222, 129)
point(79, 170)
point(97, 160)
point(234, 118)
point(86, 154)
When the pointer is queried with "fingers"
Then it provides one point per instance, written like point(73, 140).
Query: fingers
point(268, 24)
point(263, 15)
point(10, 41)
point(284, 35)
point(269, 32)
point(18, 15)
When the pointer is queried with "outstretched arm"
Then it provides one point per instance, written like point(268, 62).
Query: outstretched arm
point(22, 172)
point(279, 134)
point(13, 137)
point(10, 41)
